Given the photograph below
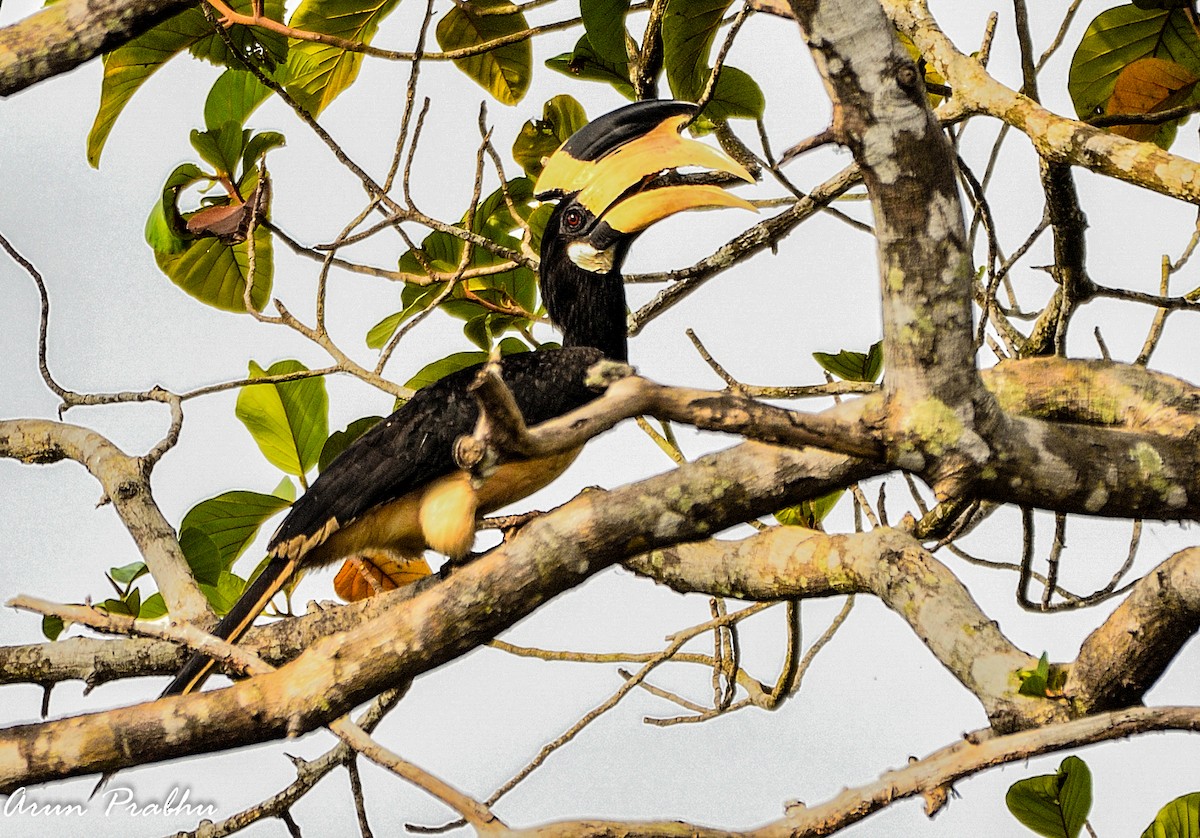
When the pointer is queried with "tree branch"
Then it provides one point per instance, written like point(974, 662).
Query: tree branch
point(1056, 138)
point(793, 562)
point(470, 606)
point(934, 397)
point(64, 35)
point(1125, 656)
point(126, 485)
point(932, 777)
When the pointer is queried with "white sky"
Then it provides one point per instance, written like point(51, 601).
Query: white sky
point(872, 698)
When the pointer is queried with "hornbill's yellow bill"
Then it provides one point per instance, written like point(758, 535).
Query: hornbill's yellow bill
point(609, 165)
point(397, 489)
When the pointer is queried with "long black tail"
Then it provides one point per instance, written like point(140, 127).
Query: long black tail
point(234, 624)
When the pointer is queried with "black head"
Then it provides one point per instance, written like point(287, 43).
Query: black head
point(605, 177)
point(581, 280)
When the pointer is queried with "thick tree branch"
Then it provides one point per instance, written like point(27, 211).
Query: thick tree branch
point(794, 562)
point(1056, 138)
point(1137, 458)
point(845, 431)
point(66, 34)
point(1125, 656)
point(126, 485)
point(475, 602)
point(881, 114)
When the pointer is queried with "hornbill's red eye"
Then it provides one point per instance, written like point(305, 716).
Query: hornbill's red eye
point(573, 220)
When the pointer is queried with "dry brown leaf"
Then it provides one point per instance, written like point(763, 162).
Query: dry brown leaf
point(1148, 85)
point(374, 572)
point(221, 221)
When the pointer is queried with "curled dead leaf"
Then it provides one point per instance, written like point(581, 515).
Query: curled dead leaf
point(230, 223)
point(1146, 86)
point(375, 572)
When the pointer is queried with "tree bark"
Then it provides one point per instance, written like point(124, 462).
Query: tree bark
point(64, 35)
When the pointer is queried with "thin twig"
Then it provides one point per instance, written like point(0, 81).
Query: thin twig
point(711, 84)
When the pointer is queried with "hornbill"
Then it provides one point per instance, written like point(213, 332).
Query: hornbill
point(397, 487)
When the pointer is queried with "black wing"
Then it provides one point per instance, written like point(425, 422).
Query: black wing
point(415, 444)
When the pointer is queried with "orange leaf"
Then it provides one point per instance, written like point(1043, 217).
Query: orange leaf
point(223, 221)
point(1148, 85)
point(377, 571)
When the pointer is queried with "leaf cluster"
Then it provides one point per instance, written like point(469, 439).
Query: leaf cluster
point(1138, 59)
point(1057, 805)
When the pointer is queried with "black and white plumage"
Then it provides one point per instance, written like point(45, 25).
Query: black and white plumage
point(397, 488)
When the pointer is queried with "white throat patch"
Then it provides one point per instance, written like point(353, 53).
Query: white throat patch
point(589, 258)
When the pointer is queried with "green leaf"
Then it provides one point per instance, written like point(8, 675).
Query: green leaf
point(225, 593)
point(585, 63)
point(161, 234)
point(513, 346)
point(133, 602)
point(1118, 37)
point(379, 334)
point(809, 513)
point(126, 574)
point(1035, 682)
point(504, 71)
point(267, 49)
point(604, 22)
point(233, 97)
point(165, 229)
point(319, 72)
point(52, 627)
point(286, 490)
point(220, 148)
point(153, 608)
point(1054, 805)
point(339, 441)
point(1178, 819)
point(537, 226)
point(1162, 4)
point(432, 372)
point(440, 250)
point(128, 66)
point(258, 146)
point(183, 175)
point(736, 96)
point(442, 253)
point(115, 606)
point(689, 28)
point(854, 366)
point(874, 366)
point(290, 420)
point(202, 554)
point(416, 298)
point(215, 273)
point(232, 520)
point(1044, 681)
point(478, 330)
point(562, 116)
point(517, 286)
point(129, 605)
point(233, 139)
point(493, 217)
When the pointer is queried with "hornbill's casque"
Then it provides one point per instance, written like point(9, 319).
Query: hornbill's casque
point(397, 487)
